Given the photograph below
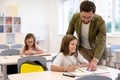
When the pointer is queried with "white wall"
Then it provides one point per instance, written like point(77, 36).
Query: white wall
point(55, 39)
point(39, 17)
point(35, 19)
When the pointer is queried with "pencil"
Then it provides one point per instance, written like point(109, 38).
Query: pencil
point(80, 70)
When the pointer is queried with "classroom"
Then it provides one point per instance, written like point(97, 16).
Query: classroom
point(48, 20)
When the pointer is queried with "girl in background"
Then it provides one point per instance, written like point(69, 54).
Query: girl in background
point(30, 46)
point(68, 58)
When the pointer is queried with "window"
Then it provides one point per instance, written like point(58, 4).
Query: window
point(108, 9)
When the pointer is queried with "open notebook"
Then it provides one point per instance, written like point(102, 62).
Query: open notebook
point(84, 72)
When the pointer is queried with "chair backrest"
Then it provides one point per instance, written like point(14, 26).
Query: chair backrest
point(4, 46)
point(94, 77)
point(16, 46)
point(114, 47)
point(9, 52)
point(32, 64)
point(53, 58)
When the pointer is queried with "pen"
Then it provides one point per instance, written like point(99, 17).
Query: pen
point(69, 74)
point(80, 70)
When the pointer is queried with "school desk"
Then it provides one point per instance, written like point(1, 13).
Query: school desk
point(10, 60)
point(50, 75)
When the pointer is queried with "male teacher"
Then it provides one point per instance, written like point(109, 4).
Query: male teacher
point(91, 32)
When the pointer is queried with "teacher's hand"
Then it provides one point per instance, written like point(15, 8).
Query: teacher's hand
point(93, 65)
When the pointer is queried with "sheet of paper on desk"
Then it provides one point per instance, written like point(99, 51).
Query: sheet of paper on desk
point(84, 72)
point(44, 54)
point(81, 72)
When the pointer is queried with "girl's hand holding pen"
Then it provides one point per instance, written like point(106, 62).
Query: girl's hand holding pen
point(71, 68)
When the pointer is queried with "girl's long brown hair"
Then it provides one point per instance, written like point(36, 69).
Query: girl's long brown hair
point(29, 35)
point(65, 44)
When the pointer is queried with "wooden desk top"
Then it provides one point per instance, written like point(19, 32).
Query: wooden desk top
point(8, 60)
point(46, 75)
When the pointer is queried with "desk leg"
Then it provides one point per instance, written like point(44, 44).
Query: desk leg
point(109, 57)
point(4, 71)
point(116, 66)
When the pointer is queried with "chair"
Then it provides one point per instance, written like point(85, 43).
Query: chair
point(4, 46)
point(94, 77)
point(16, 46)
point(9, 52)
point(114, 49)
point(116, 64)
point(25, 64)
point(53, 58)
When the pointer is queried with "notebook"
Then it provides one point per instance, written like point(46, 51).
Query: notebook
point(84, 72)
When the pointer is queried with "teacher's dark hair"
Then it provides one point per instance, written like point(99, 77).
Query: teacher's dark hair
point(87, 6)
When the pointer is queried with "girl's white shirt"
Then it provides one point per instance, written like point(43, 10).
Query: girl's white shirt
point(64, 61)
